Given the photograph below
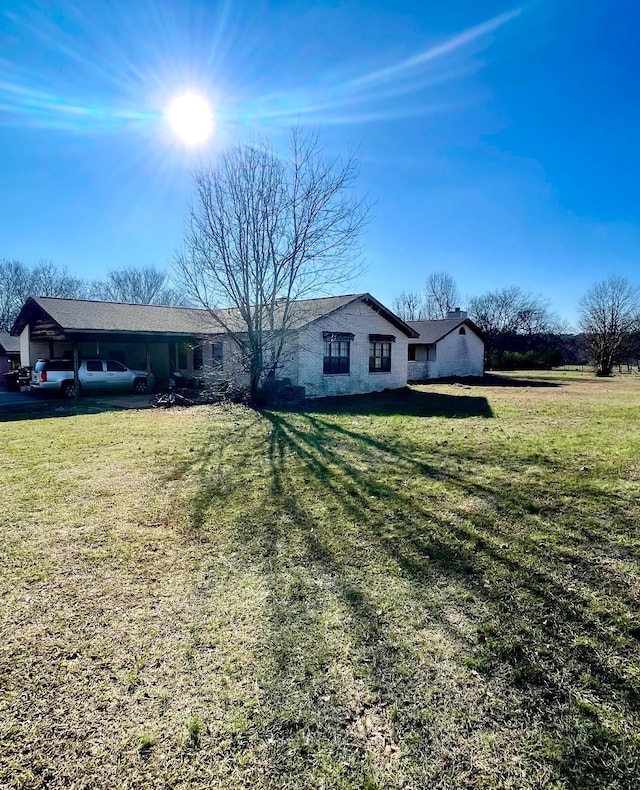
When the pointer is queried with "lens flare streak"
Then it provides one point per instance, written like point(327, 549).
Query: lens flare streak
point(136, 93)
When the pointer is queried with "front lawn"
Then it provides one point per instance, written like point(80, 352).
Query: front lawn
point(437, 588)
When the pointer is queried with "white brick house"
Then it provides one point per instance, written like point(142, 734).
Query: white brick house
point(452, 346)
point(355, 345)
point(338, 345)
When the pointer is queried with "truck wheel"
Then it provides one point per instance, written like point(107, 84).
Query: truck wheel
point(68, 389)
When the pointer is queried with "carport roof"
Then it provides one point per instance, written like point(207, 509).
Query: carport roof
point(83, 315)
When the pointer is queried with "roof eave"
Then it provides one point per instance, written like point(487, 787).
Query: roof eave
point(476, 329)
point(143, 332)
point(392, 318)
point(460, 323)
point(20, 322)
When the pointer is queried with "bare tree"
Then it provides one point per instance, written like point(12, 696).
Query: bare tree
point(18, 281)
point(510, 317)
point(137, 285)
point(511, 311)
point(48, 279)
point(265, 232)
point(609, 313)
point(409, 306)
point(14, 289)
point(441, 295)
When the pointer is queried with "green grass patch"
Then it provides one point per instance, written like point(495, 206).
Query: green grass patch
point(437, 588)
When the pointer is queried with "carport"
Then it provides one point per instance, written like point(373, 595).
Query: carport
point(154, 338)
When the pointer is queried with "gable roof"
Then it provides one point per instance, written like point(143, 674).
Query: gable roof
point(8, 344)
point(432, 331)
point(84, 315)
point(330, 304)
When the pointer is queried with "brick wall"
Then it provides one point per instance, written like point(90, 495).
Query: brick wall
point(305, 368)
point(458, 355)
point(418, 371)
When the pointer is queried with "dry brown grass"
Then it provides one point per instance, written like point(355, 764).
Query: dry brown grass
point(435, 589)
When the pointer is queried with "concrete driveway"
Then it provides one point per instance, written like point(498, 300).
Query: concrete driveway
point(21, 400)
point(13, 398)
point(22, 404)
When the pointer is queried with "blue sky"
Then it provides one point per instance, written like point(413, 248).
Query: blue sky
point(499, 142)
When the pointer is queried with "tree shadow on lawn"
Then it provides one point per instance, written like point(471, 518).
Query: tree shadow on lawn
point(405, 402)
point(322, 453)
point(553, 640)
point(498, 379)
point(550, 633)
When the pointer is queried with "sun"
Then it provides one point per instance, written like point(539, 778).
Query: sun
point(191, 118)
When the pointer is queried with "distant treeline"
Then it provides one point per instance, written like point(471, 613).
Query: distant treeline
point(535, 352)
point(522, 332)
point(547, 350)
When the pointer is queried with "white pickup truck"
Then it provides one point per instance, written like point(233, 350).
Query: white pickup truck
point(56, 375)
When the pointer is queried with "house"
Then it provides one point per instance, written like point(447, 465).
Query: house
point(452, 346)
point(345, 345)
point(337, 345)
point(9, 356)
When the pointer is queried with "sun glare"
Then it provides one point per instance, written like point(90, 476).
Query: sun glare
point(191, 118)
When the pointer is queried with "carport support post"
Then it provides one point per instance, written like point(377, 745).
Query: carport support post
point(147, 349)
point(76, 377)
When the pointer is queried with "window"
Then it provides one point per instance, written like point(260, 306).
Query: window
point(56, 364)
point(336, 356)
point(411, 353)
point(337, 351)
point(94, 365)
point(115, 367)
point(197, 357)
point(379, 357)
point(216, 355)
point(182, 357)
point(462, 331)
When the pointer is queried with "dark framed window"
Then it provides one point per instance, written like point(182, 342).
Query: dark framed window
point(197, 357)
point(411, 352)
point(216, 355)
point(379, 357)
point(182, 356)
point(94, 365)
point(337, 352)
point(462, 331)
point(56, 364)
point(336, 356)
point(113, 366)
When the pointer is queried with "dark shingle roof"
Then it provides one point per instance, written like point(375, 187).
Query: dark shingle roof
point(87, 315)
point(432, 331)
point(8, 344)
point(81, 315)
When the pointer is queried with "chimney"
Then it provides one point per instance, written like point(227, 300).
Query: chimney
point(457, 313)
